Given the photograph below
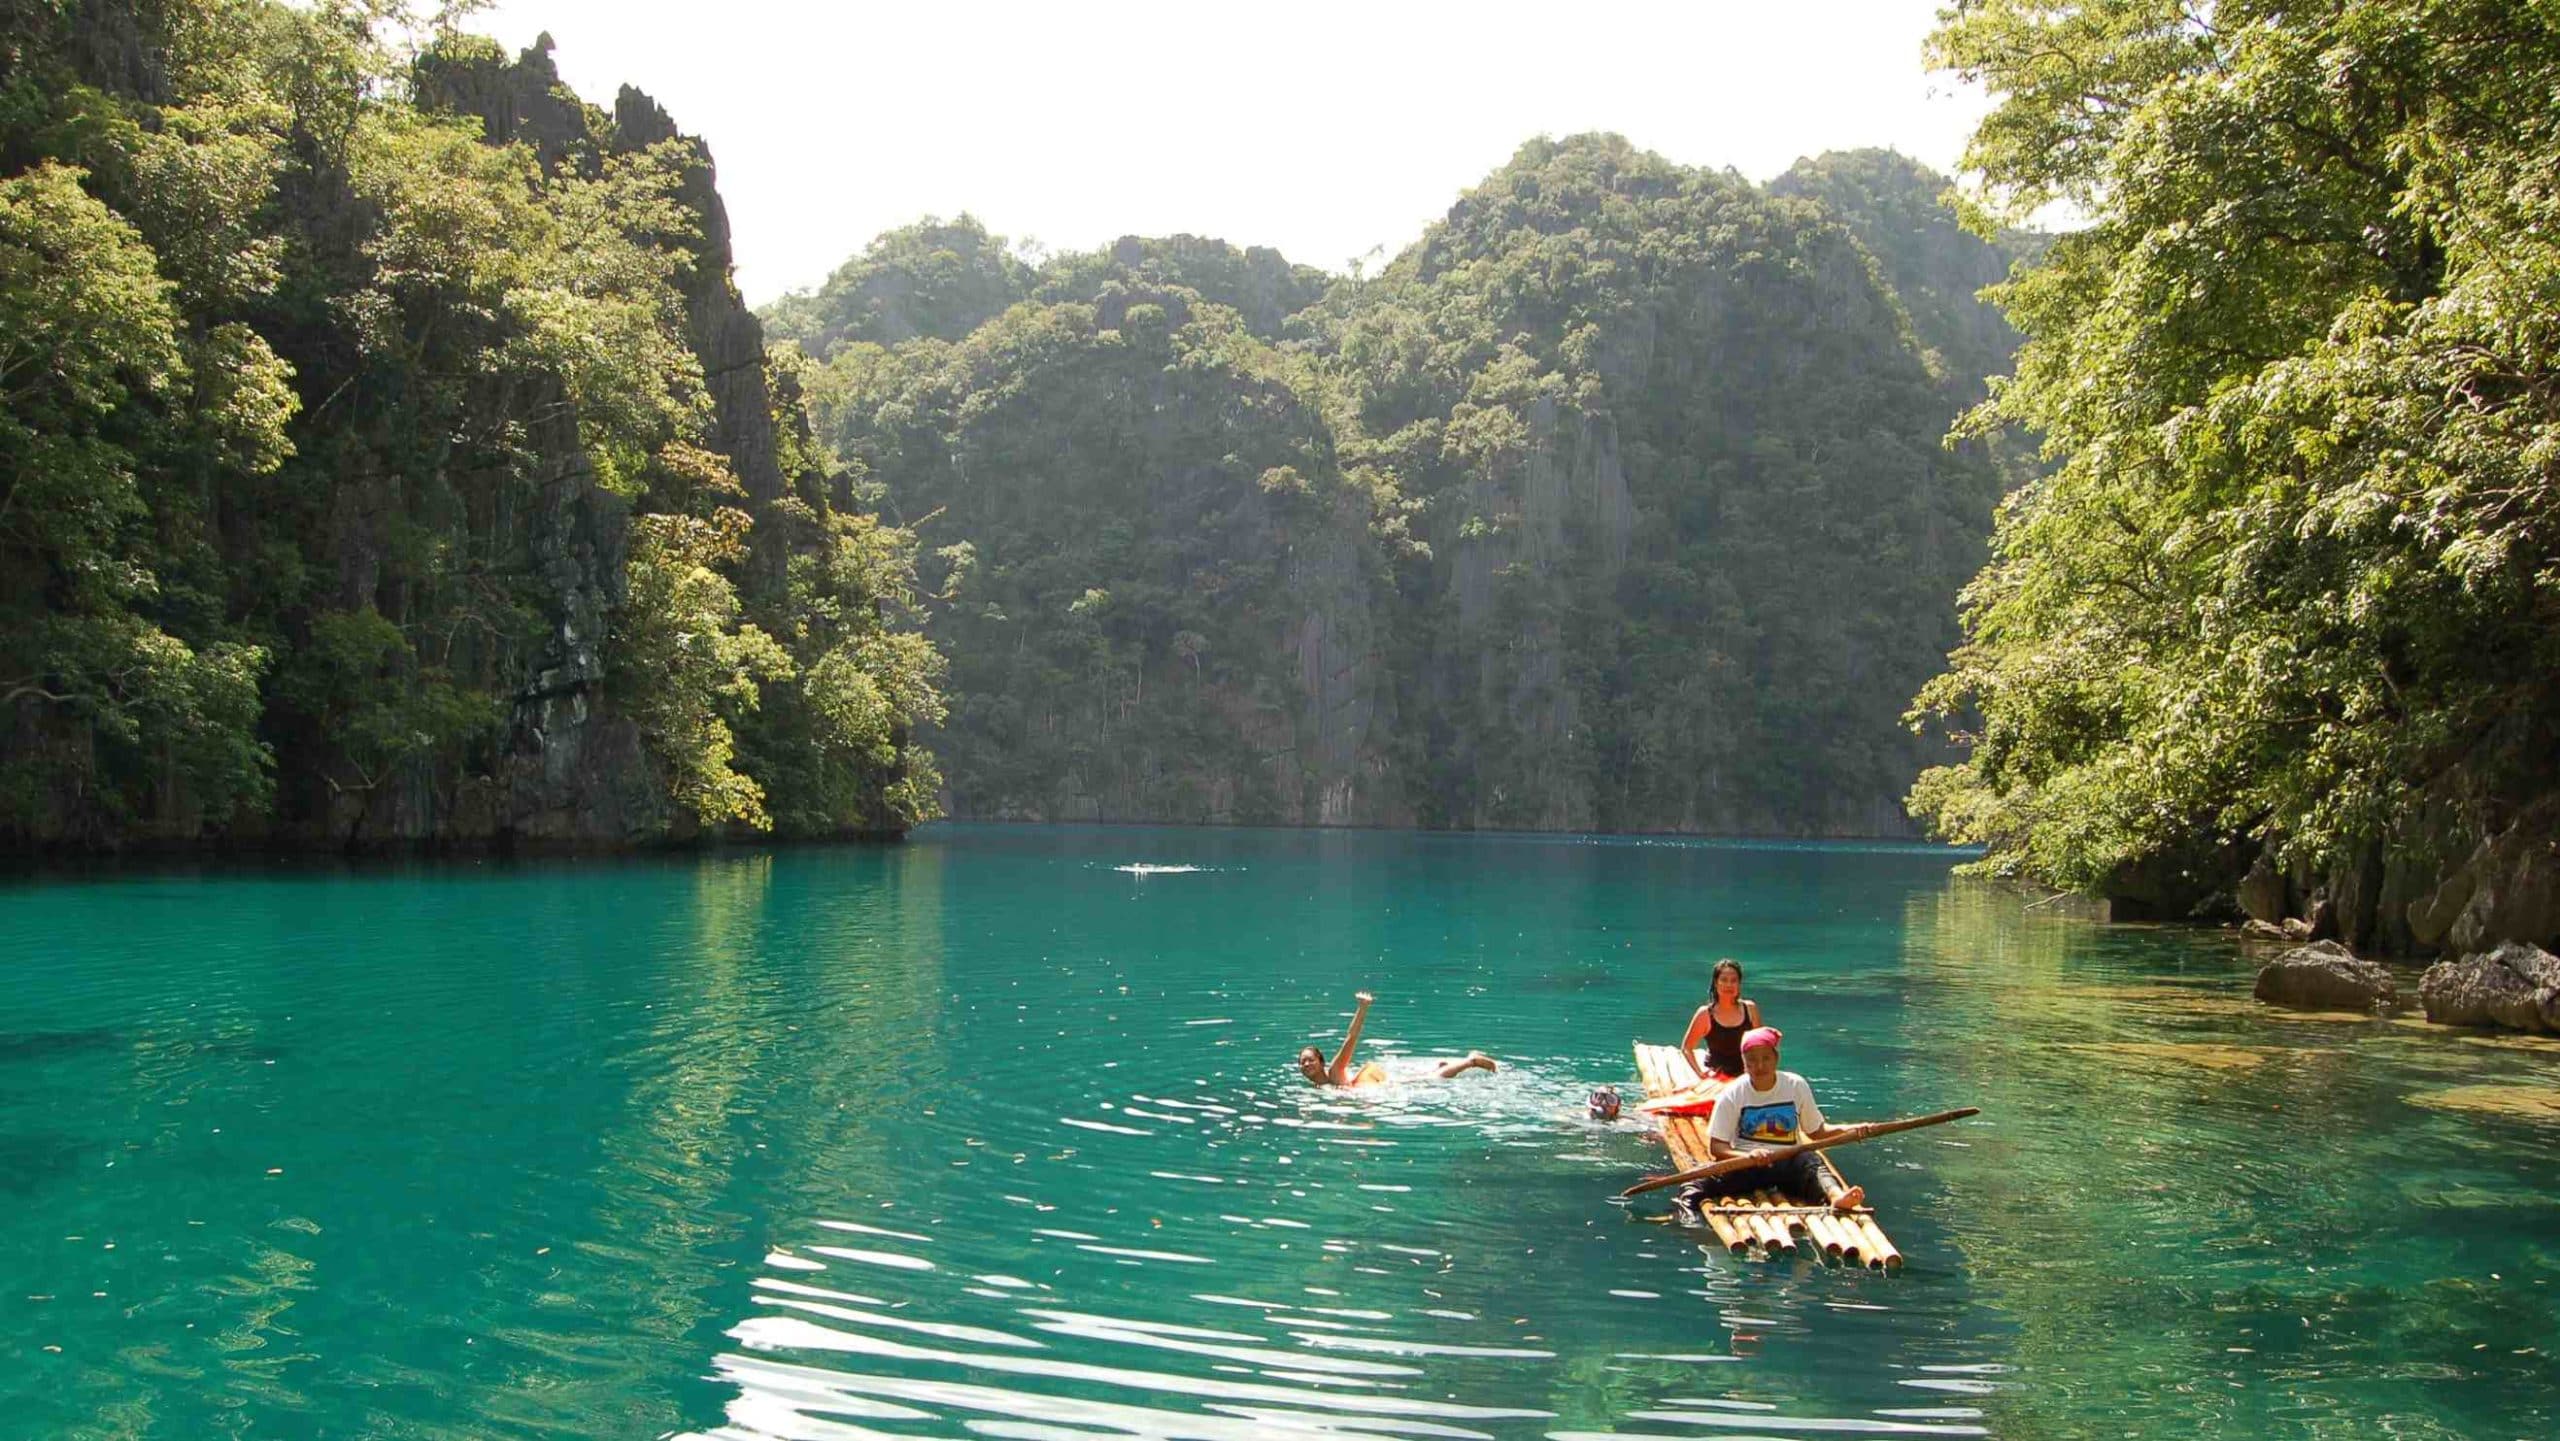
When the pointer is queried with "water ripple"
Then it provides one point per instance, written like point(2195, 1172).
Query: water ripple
point(974, 1136)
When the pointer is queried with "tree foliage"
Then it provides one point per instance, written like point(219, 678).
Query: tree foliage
point(933, 280)
point(121, 407)
point(1899, 210)
point(1111, 611)
point(1616, 501)
point(2292, 584)
point(1688, 517)
point(344, 439)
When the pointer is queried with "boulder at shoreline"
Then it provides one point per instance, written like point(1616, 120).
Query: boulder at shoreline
point(2326, 976)
point(2516, 986)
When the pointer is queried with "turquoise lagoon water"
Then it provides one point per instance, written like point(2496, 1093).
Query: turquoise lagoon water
point(983, 1136)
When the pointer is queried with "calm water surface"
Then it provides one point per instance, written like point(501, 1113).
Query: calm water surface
point(982, 1136)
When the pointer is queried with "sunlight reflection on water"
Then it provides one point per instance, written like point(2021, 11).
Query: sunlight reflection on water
point(980, 1136)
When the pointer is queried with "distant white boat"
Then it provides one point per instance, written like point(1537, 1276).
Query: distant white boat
point(1142, 868)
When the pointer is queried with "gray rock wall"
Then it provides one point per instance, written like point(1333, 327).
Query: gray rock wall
point(2515, 987)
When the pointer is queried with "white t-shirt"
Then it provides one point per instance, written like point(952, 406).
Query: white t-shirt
point(1756, 1120)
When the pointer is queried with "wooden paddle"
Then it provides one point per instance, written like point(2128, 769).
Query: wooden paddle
point(1749, 1159)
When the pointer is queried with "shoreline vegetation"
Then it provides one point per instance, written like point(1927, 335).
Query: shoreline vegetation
point(1617, 502)
point(392, 465)
point(453, 500)
point(2278, 634)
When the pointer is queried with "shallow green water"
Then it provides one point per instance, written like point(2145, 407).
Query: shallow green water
point(979, 1136)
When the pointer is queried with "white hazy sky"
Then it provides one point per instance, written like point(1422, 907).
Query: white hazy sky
point(1325, 129)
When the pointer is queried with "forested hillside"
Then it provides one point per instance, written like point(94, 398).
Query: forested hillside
point(941, 280)
point(1617, 502)
point(385, 457)
point(390, 460)
point(1899, 209)
point(2284, 624)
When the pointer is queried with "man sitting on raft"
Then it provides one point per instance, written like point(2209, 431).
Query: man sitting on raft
point(1338, 1072)
point(1764, 1111)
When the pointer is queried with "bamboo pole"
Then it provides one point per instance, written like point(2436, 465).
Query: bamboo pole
point(1793, 1208)
point(1686, 1139)
point(1843, 1137)
point(1748, 1217)
point(1775, 1227)
point(1828, 1231)
point(1814, 1230)
point(1782, 1207)
point(1726, 1232)
point(1892, 1253)
point(1883, 1253)
point(1852, 1243)
point(1852, 1246)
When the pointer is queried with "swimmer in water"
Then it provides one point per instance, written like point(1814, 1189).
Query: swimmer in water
point(1340, 1072)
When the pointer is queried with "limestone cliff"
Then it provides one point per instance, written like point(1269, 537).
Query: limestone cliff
point(1615, 503)
point(423, 441)
point(1160, 582)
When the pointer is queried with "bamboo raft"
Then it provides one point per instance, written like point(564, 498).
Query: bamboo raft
point(1776, 1223)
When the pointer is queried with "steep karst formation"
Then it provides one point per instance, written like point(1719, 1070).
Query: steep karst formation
point(406, 471)
point(1616, 502)
point(1898, 209)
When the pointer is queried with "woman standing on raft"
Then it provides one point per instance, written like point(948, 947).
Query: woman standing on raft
point(1722, 1021)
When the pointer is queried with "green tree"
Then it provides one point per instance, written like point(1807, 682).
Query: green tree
point(356, 447)
point(100, 383)
point(1106, 463)
point(2291, 586)
point(1616, 501)
point(934, 279)
point(694, 667)
point(1905, 215)
point(1687, 528)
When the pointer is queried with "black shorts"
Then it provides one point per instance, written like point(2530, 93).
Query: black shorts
point(1799, 1177)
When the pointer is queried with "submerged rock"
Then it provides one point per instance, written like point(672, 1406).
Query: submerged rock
point(2326, 976)
point(2516, 986)
point(2175, 1055)
point(2529, 1103)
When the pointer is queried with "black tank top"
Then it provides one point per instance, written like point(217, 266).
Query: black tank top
point(1724, 1043)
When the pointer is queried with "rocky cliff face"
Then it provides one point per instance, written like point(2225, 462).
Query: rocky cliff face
point(2463, 885)
point(437, 416)
point(1617, 503)
point(1163, 596)
point(1935, 268)
point(573, 771)
point(1688, 509)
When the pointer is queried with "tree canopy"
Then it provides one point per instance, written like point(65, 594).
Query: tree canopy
point(1616, 501)
point(361, 475)
point(2290, 587)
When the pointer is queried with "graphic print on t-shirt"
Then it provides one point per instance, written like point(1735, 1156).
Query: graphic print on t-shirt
point(1773, 1121)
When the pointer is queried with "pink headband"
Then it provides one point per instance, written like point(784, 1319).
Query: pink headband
point(1764, 1036)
